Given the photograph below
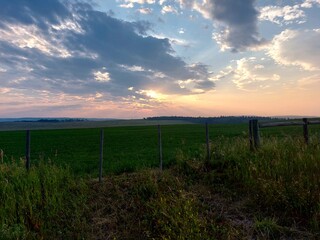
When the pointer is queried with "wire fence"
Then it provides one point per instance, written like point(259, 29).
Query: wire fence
point(125, 149)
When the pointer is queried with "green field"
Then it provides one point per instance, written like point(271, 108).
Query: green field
point(270, 193)
point(128, 148)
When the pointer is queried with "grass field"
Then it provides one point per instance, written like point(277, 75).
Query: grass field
point(270, 193)
point(126, 148)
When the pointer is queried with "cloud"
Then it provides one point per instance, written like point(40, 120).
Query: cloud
point(310, 82)
point(131, 2)
point(31, 37)
point(127, 5)
point(236, 19)
point(282, 15)
point(161, 2)
point(145, 10)
point(251, 74)
point(310, 3)
point(168, 9)
point(181, 31)
point(297, 48)
point(74, 50)
point(101, 76)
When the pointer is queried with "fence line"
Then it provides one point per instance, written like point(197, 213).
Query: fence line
point(254, 139)
point(254, 132)
point(160, 150)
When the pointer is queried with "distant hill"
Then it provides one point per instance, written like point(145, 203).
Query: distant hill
point(214, 120)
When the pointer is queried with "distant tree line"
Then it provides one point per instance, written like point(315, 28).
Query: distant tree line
point(214, 120)
point(55, 120)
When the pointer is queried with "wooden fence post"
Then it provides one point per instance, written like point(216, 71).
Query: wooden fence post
point(101, 155)
point(208, 143)
point(160, 147)
point(305, 130)
point(256, 135)
point(1, 155)
point(251, 135)
point(28, 140)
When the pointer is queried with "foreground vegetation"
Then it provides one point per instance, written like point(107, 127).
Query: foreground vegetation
point(271, 193)
point(45, 203)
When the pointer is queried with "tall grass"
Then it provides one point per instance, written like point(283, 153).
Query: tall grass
point(282, 176)
point(44, 202)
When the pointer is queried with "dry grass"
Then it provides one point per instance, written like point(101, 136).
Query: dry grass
point(189, 201)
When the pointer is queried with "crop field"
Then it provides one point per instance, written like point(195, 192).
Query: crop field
point(270, 193)
point(128, 148)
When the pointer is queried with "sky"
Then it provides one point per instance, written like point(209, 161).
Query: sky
point(141, 58)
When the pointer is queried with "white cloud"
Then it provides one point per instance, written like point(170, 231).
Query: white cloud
point(151, 94)
point(191, 85)
point(173, 40)
point(181, 31)
point(203, 7)
point(98, 95)
point(133, 68)
point(159, 75)
point(131, 2)
point(297, 48)
point(30, 36)
point(68, 25)
point(145, 10)
point(127, 5)
point(228, 71)
point(251, 74)
point(310, 3)
point(168, 9)
point(282, 15)
point(220, 37)
point(258, 66)
point(101, 76)
point(179, 42)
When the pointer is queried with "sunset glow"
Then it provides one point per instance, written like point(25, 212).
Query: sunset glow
point(135, 59)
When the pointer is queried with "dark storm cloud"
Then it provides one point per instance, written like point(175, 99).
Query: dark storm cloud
point(236, 19)
point(240, 18)
point(67, 57)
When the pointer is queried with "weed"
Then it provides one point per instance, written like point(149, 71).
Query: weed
point(267, 228)
point(45, 202)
